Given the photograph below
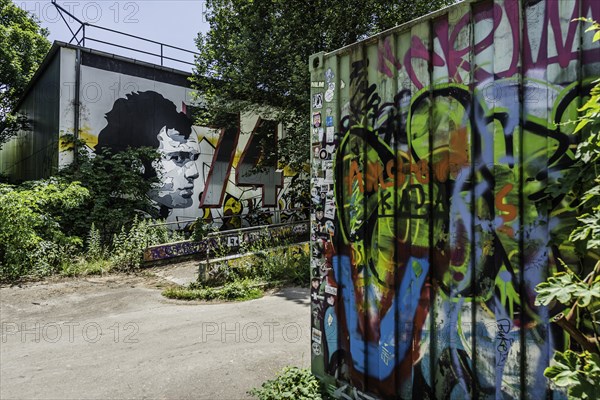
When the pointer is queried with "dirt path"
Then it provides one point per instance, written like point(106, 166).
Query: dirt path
point(116, 337)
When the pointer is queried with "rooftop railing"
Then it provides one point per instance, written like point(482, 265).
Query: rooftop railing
point(81, 37)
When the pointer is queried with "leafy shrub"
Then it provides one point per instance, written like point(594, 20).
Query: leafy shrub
point(32, 238)
point(290, 264)
point(200, 229)
point(96, 250)
point(129, 244)
point(577, 296)
point(579, 373)
point(291, 383)
point(118, 187)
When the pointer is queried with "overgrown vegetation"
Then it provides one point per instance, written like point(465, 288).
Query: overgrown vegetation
point(577, 369)
point(82, 222)
point(291, 383)
point(246, 278)
point(113, 202)
point(237, 290)
point(32, 239)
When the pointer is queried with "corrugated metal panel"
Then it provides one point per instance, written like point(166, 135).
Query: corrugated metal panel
point(432, 146)
point(33, 153)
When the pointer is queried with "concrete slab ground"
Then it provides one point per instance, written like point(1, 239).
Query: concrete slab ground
point(181, 273)
point(116, 337)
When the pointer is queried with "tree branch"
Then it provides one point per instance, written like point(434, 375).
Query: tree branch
point(587, 343)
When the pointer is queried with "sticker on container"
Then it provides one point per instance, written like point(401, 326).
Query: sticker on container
point(330, 227)
point(329, 175)
point(330, 134)
point(329, 75)
point(329, 92)
point(315, 135)
point(329, 210)
point(318, 100)
point(316, 119)
point(316, 335)
point(316, 349)
point(331, 290)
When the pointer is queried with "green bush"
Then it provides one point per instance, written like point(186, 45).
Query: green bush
point(290, 264)
point(118, 190)
point(200, 229)
point(32, 238)
point(129, 244)
point(291, 383)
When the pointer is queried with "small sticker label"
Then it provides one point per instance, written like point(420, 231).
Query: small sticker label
point(329, 120)
point(329, 75)
point(329, 92)
point(316, 348)
point(316, 119)
point(317, 84)
point(330, 134)
point(316, 335)
point(329, 225)
point(329, 207)
point(318, 100)
point(331, 290)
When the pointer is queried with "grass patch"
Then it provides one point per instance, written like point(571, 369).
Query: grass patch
point(233, 291)
point(247, 277)
point(83, 267)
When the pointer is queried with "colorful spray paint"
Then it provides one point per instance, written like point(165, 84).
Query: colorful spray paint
point(433, 144)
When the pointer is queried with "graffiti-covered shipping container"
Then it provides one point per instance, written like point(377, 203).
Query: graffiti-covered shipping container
point(111, 103)
point(433, 144)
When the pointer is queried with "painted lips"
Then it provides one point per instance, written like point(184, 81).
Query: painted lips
point(187, 192)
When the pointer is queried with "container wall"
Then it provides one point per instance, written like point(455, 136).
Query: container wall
point(33, 152)
point(432, 145)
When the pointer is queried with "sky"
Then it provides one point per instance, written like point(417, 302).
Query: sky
point(174, 22)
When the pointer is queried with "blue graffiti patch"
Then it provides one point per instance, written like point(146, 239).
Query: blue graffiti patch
point(407, 297)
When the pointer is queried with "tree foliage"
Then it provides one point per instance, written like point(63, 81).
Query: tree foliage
point(23, 46)
point(256, 53)
point(578, 369)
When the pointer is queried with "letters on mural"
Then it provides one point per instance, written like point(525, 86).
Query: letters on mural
point(432, 226)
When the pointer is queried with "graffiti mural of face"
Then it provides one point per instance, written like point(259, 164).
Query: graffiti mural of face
point(177, 169)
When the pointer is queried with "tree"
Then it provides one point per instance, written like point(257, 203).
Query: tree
point(257, 52)
point(23, 46)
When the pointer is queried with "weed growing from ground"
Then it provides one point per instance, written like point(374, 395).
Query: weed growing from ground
point(291, 383)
